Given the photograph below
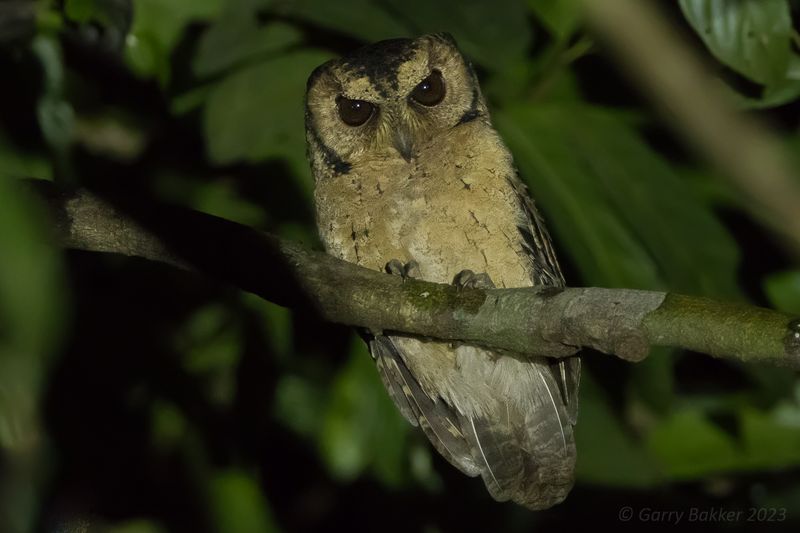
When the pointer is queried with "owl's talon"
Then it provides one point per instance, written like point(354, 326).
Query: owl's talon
point(394, 267)
point(412, 269)
point(467, 279)
point(405, 271)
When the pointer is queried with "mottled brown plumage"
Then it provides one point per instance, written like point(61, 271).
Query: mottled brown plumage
point(408, 167)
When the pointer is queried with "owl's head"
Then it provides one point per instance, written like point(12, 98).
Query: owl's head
point(387, 100)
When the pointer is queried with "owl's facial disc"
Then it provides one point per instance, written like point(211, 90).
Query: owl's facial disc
point(389, 100)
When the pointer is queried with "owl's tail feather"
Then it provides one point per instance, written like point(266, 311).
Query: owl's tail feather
point(517, 434)
point(525, 444)
point(494, 448)
point(436, 419)
point(550, 474)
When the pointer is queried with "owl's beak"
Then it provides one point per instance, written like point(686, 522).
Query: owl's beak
point(403, 142)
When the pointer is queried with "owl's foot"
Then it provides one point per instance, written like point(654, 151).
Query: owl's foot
point(408, 270)
point(467, 279)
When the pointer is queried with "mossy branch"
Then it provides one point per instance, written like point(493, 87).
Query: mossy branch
point(538, 321)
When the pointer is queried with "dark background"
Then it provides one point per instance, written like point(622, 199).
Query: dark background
point(138, 398)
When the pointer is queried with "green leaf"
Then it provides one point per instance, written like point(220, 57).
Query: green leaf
point(652, 380)
point(210, 340)
point(688, 446)
point(603, 249)
point(157, 27)
point(712, 189)
point(101, 23)
point(31, 305)
point(19, 163)
point(80, 10)
point(608, 454)
point(771, 440)
point(773, 96)
point(256, 113)
point(237, 38)
point(55, 115)
point(626, 218)
point(561, 17)
point(190, 100)
point(770, 385)
point(56, 119)
point(363, 19)
point(783, 291)
point(300, 405)
point(362, 427)
point(750, 36)
point(239, 505)
point(276, 324)
point(220, 198)
point(495, 34)
point(168, 426)
point(211, 344)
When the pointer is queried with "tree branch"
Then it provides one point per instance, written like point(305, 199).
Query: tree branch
point(538, 321)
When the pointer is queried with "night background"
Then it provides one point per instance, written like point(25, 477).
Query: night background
point(136, 397)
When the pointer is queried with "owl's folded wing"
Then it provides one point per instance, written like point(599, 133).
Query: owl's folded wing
point(518, 438)
point(546, 271)
point(436, 418)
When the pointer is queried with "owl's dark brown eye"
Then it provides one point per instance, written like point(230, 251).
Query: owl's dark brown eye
point(354, 112)
point(430, 91)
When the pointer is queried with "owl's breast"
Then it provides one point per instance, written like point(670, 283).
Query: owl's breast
point(451, 209)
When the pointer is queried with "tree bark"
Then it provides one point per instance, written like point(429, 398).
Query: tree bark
point(537, 321)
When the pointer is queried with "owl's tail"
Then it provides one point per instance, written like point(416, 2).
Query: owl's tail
point(511, 423)
point(522, 440)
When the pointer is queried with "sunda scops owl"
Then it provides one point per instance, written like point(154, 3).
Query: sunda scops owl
point(412, 177)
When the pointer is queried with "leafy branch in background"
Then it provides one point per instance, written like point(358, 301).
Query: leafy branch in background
point(755, 39)
point(199, 103)
point(751, 155)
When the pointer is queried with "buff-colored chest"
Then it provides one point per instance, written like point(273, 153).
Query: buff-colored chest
point(450, 209)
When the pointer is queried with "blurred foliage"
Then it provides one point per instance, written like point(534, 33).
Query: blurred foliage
point(173, 404)
point(754, 38)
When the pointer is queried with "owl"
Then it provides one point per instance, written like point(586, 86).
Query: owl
point(411, 177)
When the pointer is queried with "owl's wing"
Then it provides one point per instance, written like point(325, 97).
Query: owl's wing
point(546, 271)
point(521, 436)
point(436, 418)
point(517, 437)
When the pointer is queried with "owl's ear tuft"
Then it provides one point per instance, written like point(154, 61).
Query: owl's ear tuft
point(446, 37)
point(317, 72)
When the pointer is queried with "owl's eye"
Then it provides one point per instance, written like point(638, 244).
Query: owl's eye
point(354, 112)
point(430, 91)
